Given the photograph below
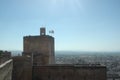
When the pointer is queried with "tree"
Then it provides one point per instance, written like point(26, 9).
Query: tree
point(1, 53)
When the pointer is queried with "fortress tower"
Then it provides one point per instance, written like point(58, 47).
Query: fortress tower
point(40, 48)
point(38, 63)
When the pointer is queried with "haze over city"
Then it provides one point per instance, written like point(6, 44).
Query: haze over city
point(79, 25)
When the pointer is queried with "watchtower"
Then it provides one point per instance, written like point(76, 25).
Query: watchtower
point(41, 47)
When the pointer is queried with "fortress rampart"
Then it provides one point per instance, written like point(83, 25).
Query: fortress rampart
point(6, 70)
point(69, 72)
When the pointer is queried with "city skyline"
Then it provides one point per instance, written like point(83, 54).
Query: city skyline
point(79, 25)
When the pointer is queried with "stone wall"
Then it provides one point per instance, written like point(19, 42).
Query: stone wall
point(6, 70)
point(40, 46)
point(69, 72)
point(4, 56)
point(22, 68)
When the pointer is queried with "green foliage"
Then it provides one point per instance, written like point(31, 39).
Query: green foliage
point(1, 53)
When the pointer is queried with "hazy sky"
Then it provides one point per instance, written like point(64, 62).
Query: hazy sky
point(79, 25)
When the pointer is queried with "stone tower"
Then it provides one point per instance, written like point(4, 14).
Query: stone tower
point(40, 48)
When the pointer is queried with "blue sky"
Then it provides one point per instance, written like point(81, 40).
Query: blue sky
point(79, 25)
